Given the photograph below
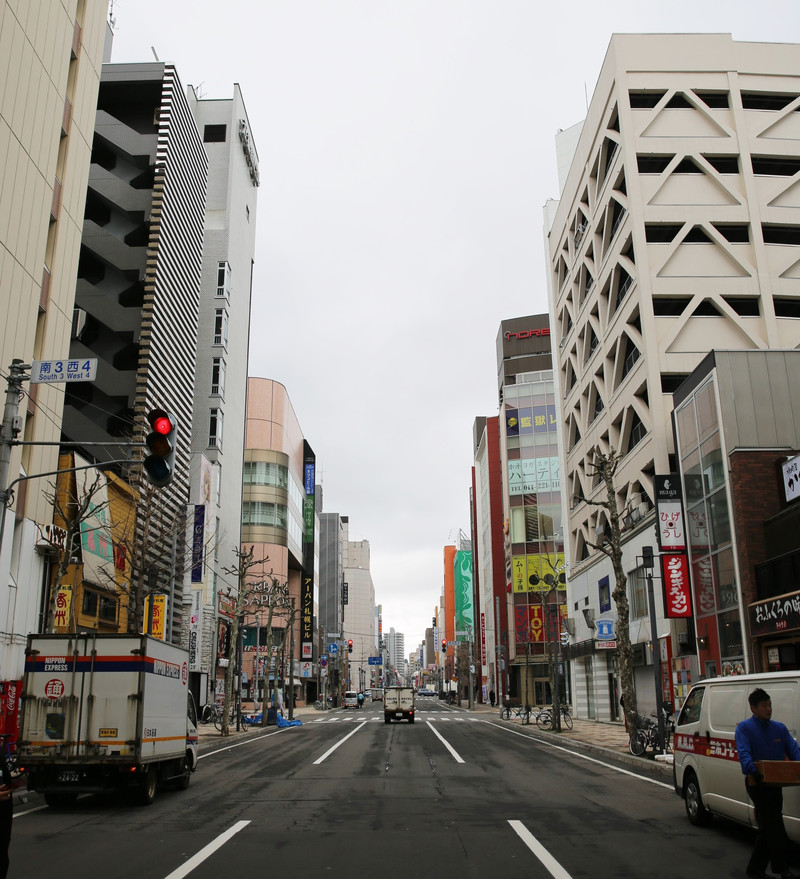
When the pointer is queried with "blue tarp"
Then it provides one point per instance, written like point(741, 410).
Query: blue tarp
point(279, 721)
point(282, 722)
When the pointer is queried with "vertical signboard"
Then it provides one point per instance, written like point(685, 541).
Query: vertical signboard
point(196, 631)
point(307, 589)
point(672, 545)
point(465, 620)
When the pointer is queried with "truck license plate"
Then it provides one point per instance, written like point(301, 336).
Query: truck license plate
point(398, 714)
point(68, 775)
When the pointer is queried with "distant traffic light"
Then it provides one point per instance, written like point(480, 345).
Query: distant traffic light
point(349, 645)
point(159, 465)
point(565, 637)
point(444, 645)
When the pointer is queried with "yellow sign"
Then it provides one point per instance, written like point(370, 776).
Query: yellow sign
point(525, 567)
point(108, 733)
point(157, 625)
point(63, 605)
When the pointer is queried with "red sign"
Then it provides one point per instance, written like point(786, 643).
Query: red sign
point(54, 688)
point(677, 591)
point(527, 334)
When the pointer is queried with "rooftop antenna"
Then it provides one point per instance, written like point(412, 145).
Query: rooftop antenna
point(153, 50)
point(111, 18)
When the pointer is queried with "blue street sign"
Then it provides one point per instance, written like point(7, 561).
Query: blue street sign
point(333, 648)
point(374, 660)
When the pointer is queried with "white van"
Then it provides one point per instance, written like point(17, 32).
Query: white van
point(706, 768)
point(350, 699)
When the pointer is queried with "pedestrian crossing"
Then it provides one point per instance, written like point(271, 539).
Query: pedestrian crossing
point(434, 716)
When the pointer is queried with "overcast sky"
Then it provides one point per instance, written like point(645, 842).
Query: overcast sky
point(406, 151)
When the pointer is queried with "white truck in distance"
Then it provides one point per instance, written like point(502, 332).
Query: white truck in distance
point(105, 711)
point(398, 704)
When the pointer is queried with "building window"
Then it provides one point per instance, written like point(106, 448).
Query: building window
point(218, 376)
point(215, 429)
point(220, 327)
point(108, 609)
point(223, 279)
point(215, 133)
point(264, 513)
point(637, 593)
point(265, 473)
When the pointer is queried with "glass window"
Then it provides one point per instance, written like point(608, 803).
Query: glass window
point(265, 473)
point(707, 421)
point(725, 579)
point(220, 326)
point(690, 713)
point(637, 593)
point(719, 518)
point(214, 133)
point(713, 471)
point(687, 427)
point(90, 603)
point(215, 429)
point(218, 376)
point(265, 514)
point(697, 525)
point(730, 641)
point(223, 279)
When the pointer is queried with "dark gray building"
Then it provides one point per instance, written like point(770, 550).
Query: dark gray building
point(136, 303)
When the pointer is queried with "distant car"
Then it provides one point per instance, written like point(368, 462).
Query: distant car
point(377, 694)
point(426, 692)
point(350, 699)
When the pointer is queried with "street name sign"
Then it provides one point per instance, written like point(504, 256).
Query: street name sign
point(56, 371)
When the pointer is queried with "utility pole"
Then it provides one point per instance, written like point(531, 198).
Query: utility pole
point(8, 432)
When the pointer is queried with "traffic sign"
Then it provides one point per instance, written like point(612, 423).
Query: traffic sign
point(56, 371)
point(333, 648)
point(374, 660)
point(323, 662)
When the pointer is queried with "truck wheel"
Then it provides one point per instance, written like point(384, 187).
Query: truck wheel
point(60, 800)
point(147, 792)
point(696, 811)
point(186, 776)
point(387, 719)
point(410, 719)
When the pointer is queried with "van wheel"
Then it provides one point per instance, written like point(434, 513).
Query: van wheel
point(182, 782)
point(693, 800)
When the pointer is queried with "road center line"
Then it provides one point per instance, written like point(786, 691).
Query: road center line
point(340, 742)
point(582, 756)
point(207, 851)
point(444, 741)
point(548, 861)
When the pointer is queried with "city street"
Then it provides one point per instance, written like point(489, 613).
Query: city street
point(456, 794)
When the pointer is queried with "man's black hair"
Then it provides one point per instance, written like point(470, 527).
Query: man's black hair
point(757, 696)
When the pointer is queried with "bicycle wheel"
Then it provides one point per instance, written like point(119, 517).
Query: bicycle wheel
point(505, 713)
point(544, 720)
point(566, 719)
point(525, 714)
point(638, 743)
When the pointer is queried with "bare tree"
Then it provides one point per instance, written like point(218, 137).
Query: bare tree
point(604, 465)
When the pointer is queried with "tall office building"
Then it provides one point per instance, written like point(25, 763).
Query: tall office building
point(49, 77)
point(359, 612)
point(220, 382)
point(677, 231)
point(137, 300)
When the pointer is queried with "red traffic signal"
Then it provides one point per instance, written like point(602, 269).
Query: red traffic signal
point(444, 645)
point(350, 645)
point(159, 465)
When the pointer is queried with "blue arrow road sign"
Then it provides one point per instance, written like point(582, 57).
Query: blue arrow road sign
point(333, 648)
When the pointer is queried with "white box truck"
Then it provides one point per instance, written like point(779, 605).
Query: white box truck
point(398, 704)
point(105, 711)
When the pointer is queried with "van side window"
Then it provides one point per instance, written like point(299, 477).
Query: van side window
point(690, 713)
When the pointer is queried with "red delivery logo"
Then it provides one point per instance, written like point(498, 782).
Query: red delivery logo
point(54, 688)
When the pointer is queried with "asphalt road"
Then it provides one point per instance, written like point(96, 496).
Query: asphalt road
point(452, 795)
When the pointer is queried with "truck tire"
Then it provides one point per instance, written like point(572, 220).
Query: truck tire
point(410, 719)
point(149, 786)
point(387, 719)
point(696, 811)
point(185, 777)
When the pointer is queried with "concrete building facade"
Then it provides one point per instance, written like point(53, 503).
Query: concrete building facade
point(677, 230)
point(49, 79)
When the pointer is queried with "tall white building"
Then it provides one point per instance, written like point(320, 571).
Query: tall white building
point(359, 611)
point(220, 382)
point(677, 231)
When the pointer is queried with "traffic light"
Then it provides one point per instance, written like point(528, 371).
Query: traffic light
point(161, 441)
point(564, 638)
point(444, 645)
point(349, 645)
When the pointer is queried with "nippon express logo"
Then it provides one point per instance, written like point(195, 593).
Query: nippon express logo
point(55, 663)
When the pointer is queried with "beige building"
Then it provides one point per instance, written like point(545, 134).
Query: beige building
point(50, 59)
point(677, 231)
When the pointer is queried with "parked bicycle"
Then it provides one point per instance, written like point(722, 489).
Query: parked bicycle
point(645, 736)
point(521, 711)
point(544, 718)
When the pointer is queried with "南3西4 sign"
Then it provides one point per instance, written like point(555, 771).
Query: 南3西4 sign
point(68, 370)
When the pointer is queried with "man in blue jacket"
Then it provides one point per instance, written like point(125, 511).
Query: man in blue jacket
point(762, 738)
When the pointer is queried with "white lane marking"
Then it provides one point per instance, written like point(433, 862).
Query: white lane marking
point(208, 850)
point(340, 742)
point(246, 742)
point(447, 744)
point(30, 811)
point(548, 861)
point(582, 756)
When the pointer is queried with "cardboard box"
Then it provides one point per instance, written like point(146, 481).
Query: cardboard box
point(779, 772)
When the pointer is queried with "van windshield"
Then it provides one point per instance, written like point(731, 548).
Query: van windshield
point(690, 713)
